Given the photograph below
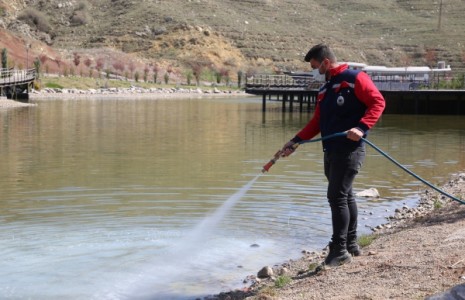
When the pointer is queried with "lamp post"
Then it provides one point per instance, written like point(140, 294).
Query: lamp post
point(27, 56)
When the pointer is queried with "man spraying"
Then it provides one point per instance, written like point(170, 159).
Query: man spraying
point(348, 102)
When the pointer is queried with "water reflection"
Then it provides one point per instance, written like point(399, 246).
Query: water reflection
point(96, 193)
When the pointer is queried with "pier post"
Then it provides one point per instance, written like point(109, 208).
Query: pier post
point(264, 102)
point(284, 102)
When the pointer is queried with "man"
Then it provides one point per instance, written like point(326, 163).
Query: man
point(348, 102)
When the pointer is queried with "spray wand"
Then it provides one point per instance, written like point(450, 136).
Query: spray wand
point(340, 134)
point(276, 157)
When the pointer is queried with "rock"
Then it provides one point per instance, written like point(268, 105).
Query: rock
point(370, 193)
point(455, 293)
point(283, 271)
point(254, 245)
point(265, 272)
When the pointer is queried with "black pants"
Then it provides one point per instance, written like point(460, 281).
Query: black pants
point(341, 167)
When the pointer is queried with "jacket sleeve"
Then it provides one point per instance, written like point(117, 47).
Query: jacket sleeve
point(368, 93)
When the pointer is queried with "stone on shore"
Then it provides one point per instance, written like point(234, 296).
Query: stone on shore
point(265, 272)
point(369, 193)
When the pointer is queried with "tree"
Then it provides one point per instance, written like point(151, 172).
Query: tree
point(430, 57)
point(4, 58)
point(132, 67)
point(189, 77)
point(99, 65)
point(37, 66)
point(239, 78)
point(119, 67)
point(155, 69)
point(197, 71)
point(146, 73)
point(76, 59)
point(88, 63)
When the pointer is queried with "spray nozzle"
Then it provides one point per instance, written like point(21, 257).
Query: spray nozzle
point(277, 155)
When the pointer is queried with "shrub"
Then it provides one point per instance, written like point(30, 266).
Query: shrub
point(35, 18)
point(4, 58)
point(282, 281)
point(79, 18)
point(366, 240)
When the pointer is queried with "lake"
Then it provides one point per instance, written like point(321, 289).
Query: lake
point(162, 199)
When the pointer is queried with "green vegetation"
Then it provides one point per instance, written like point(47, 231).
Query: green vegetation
point(53, 85)
point(4, 58)
point(312, 267)
point(76, 82)
point(282, 281)
point(437, 204)
point(366, 240)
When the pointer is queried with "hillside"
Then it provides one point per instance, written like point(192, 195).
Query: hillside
point(248, 35)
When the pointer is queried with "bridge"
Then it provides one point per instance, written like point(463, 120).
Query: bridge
point(294, 88)
point(288, 88)
point(15, 84)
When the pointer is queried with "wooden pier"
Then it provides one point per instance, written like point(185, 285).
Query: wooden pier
point(288, 89)
point(302, 91)
point(16, 84)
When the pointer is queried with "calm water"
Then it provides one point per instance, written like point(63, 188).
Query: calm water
point(161, 199)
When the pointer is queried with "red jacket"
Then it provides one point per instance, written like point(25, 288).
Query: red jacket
point(337, 97)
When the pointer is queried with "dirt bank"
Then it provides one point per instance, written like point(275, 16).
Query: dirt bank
point(420, 253)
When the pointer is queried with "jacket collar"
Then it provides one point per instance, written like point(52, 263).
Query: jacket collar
point(338, 70)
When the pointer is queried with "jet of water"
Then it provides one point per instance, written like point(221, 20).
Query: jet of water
point(155, 282)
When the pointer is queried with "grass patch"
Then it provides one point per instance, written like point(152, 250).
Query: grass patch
point(312, 267)
point(84, 83)
point(282, 281)
point(437, 204)
point(53, 85)
point(366, 239)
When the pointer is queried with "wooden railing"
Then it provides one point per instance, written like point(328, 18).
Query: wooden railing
point(281, 82)
point(13, 77)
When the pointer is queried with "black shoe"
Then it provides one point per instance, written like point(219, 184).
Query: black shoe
point(354, 249)
point(337, 256)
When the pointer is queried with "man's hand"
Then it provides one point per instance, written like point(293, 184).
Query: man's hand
point(355, 134)
point(288, 149)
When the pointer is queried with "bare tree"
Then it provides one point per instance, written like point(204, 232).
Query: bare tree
point(430, 57)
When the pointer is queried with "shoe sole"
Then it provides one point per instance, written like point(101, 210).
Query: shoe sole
point(340, 263)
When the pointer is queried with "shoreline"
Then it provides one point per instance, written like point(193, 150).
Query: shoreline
point(133, 93)
point(308, 280)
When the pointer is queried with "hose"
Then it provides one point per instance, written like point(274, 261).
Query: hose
point(339, 134)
